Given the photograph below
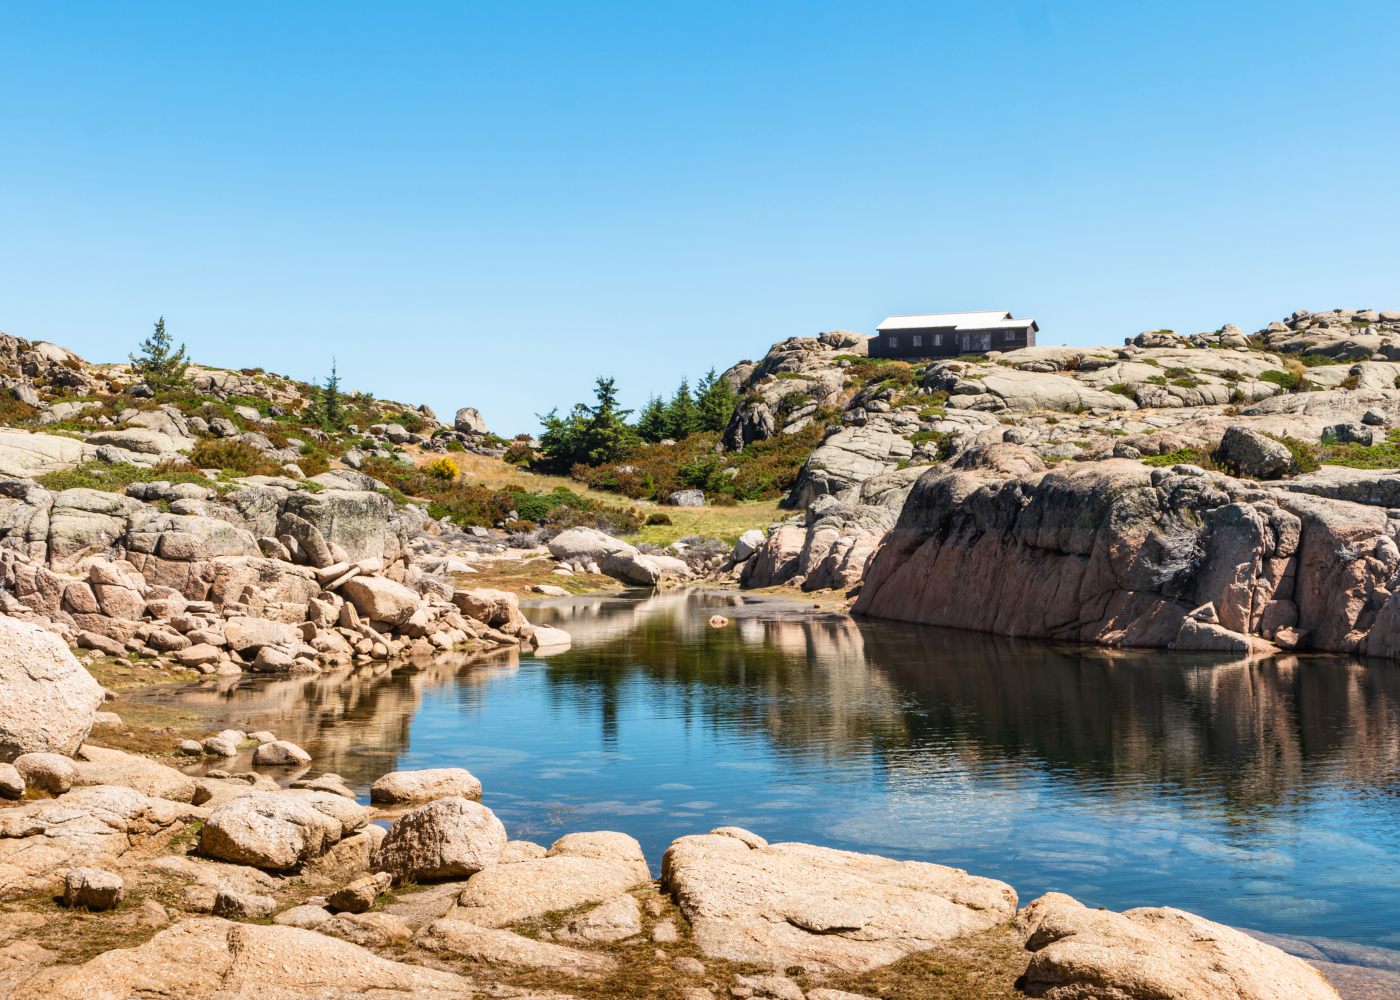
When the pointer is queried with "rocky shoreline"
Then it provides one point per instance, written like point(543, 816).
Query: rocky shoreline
point(301, 890)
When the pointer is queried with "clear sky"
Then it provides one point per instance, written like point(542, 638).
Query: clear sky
point(490, 205)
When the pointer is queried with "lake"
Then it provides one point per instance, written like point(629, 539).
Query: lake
point(1261, 793)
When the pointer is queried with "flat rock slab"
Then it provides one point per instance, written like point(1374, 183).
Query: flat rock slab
point(39, 841)
point(1086, 954)
point(580, 868)
point(213, 959)
point(782, 905)
point(491, 945)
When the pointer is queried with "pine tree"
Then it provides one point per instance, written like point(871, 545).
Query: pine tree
point(716, 402)
point(158, 365)
point(588, 435)
point(609, 437)
point(682, 418)
point(332, 401)
point(651, 425)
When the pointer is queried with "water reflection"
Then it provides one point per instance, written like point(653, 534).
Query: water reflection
point(1263, 793)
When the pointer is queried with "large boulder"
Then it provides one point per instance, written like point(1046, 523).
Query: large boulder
point(47, 700)
point(1080, 953)
point(449, 838)
point(208, 958)
point(579, 869)
point(380, 599)
point(1254, 454)
point(782, 905)
point(360, 523)
point(468, 421)
point(425, 785)
point(269, 830)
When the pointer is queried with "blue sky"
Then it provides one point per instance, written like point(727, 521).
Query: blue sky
point(490, 205)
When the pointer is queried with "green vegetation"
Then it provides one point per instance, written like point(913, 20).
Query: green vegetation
point(709, 408)
point(116, 478)
point(1385, 455)
point(233, 456)
point(1182, 456)
point(158, 363)
point(1122, 389)
point(467, 504)
point(589, 435)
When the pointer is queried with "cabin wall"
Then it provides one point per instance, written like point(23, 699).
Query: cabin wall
point(933, 343)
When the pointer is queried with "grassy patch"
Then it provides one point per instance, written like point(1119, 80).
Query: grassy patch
point(116, 478)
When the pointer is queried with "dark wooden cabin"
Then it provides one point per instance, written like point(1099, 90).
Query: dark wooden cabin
point(947, 335)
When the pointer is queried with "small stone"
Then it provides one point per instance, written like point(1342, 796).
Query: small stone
point(92, 889)
point(152, 914)
point(718, 621)
point(280, 753)
point(11, 783)
point(359, 895)
point(307, 916)
point(688, 966)
point(52, 772)
point(191, 748)
point(665, 932)
point(655, 906)
point(425, 786)
point(778, 987)
point(247, 905)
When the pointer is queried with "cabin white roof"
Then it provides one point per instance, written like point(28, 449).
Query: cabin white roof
point(992, 319)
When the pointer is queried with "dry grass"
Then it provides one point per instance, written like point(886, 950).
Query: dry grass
point(726, 523)
point(518, 575)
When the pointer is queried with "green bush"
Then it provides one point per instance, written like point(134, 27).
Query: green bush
point(232, 455)
point(116, 478)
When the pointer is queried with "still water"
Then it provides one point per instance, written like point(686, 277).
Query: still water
point(1264, 793)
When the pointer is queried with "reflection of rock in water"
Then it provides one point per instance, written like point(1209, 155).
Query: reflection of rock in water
point(593, 620)
point(354, 722)
point(824, 689)
point(1255, 730)
point(816, 696)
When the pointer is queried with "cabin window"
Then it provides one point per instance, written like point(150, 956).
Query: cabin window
point(918, 340)
point(938, 340)
point(894, 341)
point(1010, 336)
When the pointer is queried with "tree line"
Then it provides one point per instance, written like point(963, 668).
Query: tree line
point(602, 432)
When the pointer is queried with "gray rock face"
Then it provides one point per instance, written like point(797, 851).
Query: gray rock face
point(614, 557)
point(847, 458)
point(795, 904)
point(1253, 454)
point(1089, 954)
point(380, 599)
point(687, 498)
point(449, 838)
point(47, 700)
point(468, 421)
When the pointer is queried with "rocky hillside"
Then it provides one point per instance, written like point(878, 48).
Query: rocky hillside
point(223, 525)
point(1219, 490)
